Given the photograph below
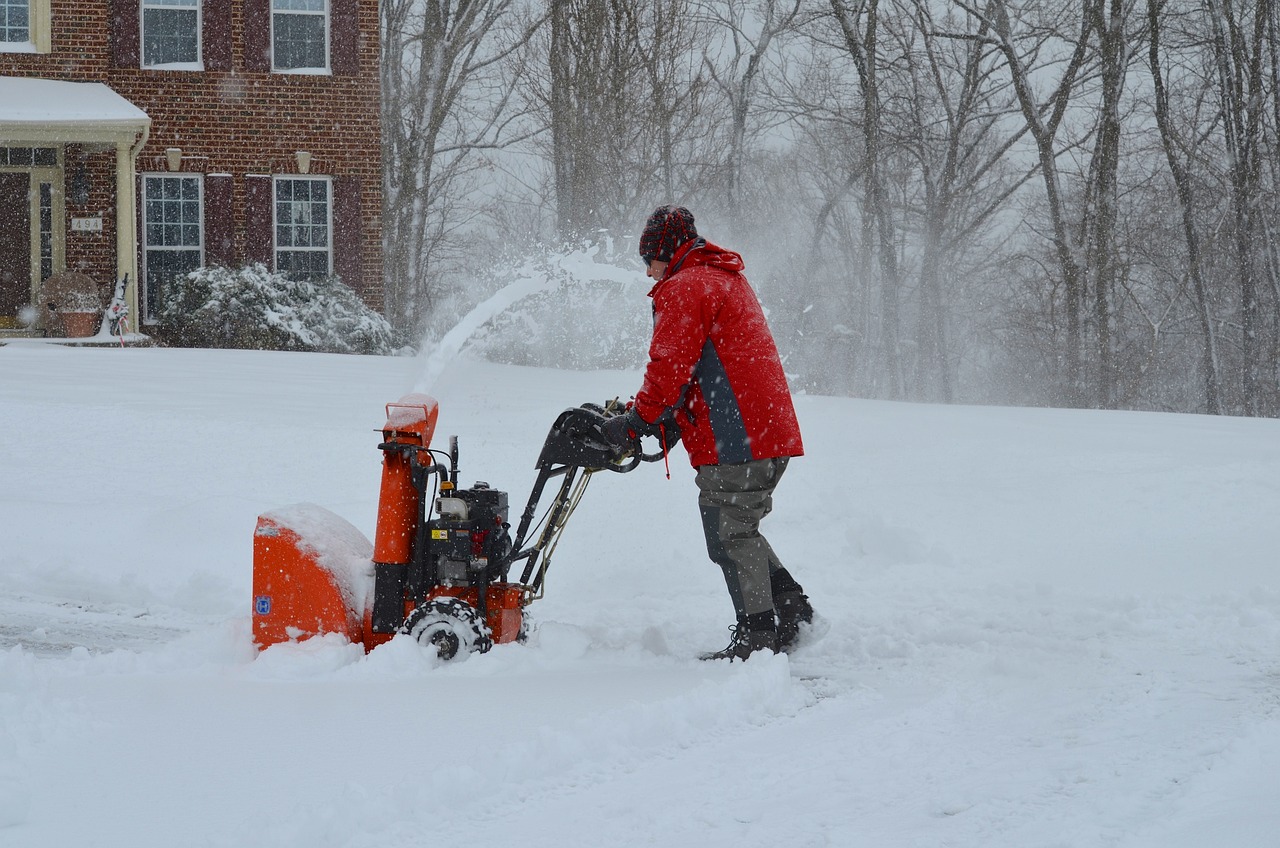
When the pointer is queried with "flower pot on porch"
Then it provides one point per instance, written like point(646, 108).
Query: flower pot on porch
point(80, 325)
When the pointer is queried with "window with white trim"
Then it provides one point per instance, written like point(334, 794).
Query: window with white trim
point(172, 234)
point(300, 35)
point(15, 21)
point(304, 227)
point(171, 33)
point(24, 26)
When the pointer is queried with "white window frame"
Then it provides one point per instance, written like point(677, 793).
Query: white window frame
point(275, 223)
point(144, 236)
point(38, 30)
point(328, 40)
point(198, 64)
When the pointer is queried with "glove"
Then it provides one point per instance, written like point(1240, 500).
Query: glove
point(668, 430)
point(622, 431)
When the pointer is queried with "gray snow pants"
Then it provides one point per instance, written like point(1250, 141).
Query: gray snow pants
point(733, 500)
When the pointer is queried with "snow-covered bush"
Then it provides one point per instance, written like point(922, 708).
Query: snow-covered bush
point(253, 308)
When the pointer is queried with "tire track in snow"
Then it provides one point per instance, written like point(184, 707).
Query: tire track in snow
point(51, 627)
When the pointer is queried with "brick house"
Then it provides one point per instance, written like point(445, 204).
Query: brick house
point(150, 137)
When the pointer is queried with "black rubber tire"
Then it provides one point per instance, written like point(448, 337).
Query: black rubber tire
point(449, 626)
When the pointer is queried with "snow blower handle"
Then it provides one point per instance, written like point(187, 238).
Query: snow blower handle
point(665, 430)
point(576, 440)
point(622, 429)
point(656, 456)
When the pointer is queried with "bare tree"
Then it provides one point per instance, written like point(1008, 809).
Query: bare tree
point(956, 129)
point(1272, 250)
point(622, 99)
point(834, 326)
point(1237, 53)
point(1173, 145)
point(1099, 230)
point(447, 81)
point(1044, 119)
point(751, 30)
point(860, 27)
point(907, 165)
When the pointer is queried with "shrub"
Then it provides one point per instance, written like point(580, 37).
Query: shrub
point(253, 308)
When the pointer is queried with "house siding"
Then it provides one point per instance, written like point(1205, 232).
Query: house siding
point(233, 118)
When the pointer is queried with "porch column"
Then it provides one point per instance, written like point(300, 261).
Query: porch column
point(127, 229)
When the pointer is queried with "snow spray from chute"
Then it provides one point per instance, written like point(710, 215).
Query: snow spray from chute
point(534, 277)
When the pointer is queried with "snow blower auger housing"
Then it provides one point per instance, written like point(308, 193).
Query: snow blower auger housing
point(440, 565)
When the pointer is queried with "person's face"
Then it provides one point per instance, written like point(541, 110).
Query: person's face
point(656, 269)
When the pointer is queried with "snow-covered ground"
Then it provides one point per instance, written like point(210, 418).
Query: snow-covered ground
point(1047, 628)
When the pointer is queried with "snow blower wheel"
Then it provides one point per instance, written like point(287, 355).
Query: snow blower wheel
point(448, 626)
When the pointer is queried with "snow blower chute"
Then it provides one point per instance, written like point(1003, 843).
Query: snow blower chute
point(439, 568)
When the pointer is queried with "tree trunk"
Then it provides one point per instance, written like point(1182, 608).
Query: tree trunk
point(1108, 22)
point(1239, 64)
point(1186, 202)
point(1044, 133)
point(878, 226)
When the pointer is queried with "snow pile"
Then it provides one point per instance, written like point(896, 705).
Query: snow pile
point(1047, 627)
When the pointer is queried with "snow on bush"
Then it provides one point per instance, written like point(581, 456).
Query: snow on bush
point(253, 308)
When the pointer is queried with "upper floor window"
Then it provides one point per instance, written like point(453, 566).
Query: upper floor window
point(300, 35)
point(171, 33)
point(24, 26)
point(303, 227)
point(15, 21)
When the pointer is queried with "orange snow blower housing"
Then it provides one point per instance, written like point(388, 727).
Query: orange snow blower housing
point(443, 580)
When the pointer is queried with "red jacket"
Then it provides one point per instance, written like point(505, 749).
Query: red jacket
point(712, 347)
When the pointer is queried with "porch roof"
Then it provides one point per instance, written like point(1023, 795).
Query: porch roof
point(34, 110)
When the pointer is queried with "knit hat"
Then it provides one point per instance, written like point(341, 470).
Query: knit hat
point(667, 228)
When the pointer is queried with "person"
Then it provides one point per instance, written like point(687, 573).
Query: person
point(715, 374)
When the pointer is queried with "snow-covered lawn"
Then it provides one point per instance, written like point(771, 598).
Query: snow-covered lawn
point(1047, 628)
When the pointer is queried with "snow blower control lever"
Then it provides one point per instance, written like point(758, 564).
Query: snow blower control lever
point(442, 556)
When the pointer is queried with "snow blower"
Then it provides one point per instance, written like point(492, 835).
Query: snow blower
point(439, 568)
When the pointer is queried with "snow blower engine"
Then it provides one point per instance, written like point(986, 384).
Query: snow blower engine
point(440, 566)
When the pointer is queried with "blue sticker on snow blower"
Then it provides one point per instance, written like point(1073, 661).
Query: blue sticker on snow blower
point(262, 605)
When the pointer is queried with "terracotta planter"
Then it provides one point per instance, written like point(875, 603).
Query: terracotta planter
point(80, 325)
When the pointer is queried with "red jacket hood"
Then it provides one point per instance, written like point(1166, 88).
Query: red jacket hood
point(701, 252)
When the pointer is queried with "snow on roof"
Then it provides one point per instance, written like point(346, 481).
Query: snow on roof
point(46, 102)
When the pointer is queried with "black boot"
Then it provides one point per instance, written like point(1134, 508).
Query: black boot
point(746, 642)
point(793, 610)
